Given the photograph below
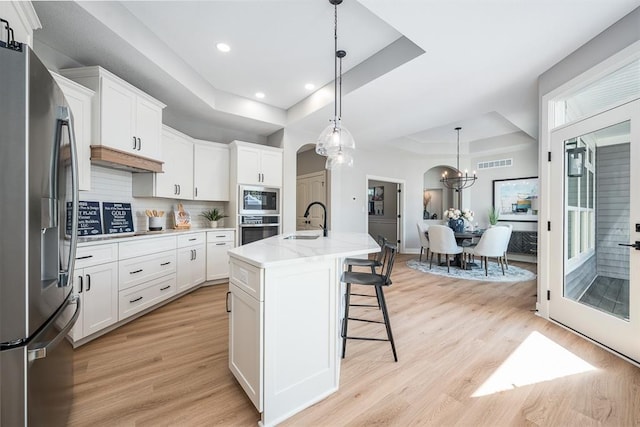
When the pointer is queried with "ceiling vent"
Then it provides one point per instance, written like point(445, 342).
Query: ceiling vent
point(492, 164)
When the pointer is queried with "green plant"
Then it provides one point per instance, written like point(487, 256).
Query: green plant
point(494, 214)
point(213, 214)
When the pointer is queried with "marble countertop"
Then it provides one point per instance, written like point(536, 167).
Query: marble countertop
point(279, 250)
point(117, 238)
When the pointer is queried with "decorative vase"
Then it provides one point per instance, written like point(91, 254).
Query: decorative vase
point(213, 224)
point(457, 225)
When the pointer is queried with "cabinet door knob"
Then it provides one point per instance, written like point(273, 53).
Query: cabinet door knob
point(139, 144)
point(196, 191)
point(135, 144)
point(226, 303)
point(88, 282)
point(81, 284)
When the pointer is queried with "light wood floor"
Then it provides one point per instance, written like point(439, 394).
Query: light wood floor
point(170, 366)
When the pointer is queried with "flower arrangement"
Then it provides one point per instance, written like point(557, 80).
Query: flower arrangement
point(452, 213)
point(467, 214)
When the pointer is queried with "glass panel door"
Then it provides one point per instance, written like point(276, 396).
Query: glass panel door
point(592, 290)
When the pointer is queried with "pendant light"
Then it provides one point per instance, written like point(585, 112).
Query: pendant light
point(460, 181)
point(335, 141)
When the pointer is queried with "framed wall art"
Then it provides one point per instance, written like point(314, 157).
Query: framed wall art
point(513, 199)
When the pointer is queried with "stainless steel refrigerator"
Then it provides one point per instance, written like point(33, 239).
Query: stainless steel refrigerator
point(38, 178)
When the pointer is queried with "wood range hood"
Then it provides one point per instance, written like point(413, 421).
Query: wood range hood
point(117, 159)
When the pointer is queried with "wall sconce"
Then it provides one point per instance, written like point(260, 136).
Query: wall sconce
point(575, 161)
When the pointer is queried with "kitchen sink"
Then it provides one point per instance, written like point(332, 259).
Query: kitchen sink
point(302, 237)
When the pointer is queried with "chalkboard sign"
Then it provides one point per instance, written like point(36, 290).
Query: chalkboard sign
point(117, 218)
point(89, 220)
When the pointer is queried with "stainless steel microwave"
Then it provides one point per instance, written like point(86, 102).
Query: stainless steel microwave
point(258, 200)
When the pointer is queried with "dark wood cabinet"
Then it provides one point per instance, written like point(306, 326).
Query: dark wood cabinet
point(523, 242)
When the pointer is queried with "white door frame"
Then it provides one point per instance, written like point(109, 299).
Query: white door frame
point(611, 331)
point(547, 114)
point(401, 204)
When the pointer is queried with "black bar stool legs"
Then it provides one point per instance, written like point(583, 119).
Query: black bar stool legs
point(387, 323)
point(346, 319)
point(377, 281)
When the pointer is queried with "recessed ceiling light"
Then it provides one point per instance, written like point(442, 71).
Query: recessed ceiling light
point(223, 47)
point(309, 86)
point(259, 95)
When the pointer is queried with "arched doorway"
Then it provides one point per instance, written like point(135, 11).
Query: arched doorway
point(312, 185)
point(436, 198)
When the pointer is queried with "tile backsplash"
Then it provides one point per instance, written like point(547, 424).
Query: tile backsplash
point(113, 185)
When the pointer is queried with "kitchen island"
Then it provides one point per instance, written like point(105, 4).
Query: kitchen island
point(285, 317)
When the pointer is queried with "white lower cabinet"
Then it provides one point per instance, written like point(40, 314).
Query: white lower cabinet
point(218, 244)
point(246, 342)
point(147, 273)
point(96, 283)
point(145, 295)
point(192, 261)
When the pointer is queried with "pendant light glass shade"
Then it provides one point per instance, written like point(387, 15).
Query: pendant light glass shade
point(334, 138)
point(341, 158)
point(335, 141)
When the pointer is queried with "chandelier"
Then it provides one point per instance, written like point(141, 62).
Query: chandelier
point(460, 181)
point(336, 141)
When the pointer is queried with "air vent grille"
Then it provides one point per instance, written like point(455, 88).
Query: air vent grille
point(492, 164)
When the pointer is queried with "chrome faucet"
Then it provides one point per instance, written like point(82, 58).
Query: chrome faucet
point(324, 225)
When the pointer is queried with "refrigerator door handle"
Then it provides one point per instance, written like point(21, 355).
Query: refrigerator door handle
point(41, 349)
point(65, 119)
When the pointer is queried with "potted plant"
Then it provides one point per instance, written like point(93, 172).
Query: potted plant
point(494, 214)
point(213, 216)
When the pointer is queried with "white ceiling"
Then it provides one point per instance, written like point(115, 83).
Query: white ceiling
point(414, 70)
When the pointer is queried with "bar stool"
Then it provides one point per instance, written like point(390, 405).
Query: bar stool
point(378, 281)
point(366, 262)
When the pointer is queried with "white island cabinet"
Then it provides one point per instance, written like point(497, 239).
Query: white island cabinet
point(285, 314)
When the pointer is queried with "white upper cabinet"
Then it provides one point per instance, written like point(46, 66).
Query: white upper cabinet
point(177, 180)
point(257, 164)
point(210, 171)
point(79, 99)
point(125, 118)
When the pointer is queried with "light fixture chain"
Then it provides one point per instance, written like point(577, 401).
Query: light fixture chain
point(340, 94)
point(335, 64)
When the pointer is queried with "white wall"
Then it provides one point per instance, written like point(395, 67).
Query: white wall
point(348, 198)
point(525, 164)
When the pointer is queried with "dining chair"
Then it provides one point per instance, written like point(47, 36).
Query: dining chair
point(424, 239)
point(443, 241)
point(506, 244)
point(491, 244)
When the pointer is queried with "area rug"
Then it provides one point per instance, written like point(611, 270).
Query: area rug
point(512, 274)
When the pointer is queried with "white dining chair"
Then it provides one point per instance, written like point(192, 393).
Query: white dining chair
point(491, 244)
point(424, 239)
point(442, 241)
point(506, 243)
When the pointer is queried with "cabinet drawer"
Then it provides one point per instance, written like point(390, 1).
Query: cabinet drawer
point(146, 246)
point(220, 236)
point(190, 239)
point(87, 256)
point(247, 277)
point(140, 297)
point(138, 270)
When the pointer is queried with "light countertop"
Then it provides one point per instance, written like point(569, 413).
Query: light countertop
point(118, 238)
point(278, 250)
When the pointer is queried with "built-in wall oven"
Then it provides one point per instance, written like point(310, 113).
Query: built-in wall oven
point(258, 200)
point(258, 227)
